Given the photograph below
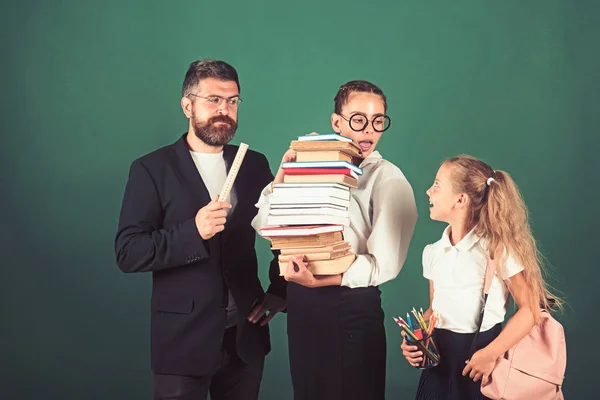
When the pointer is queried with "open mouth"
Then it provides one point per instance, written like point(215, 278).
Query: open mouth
point(365, 145)
point(430, 204)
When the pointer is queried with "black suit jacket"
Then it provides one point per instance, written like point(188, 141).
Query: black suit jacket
point(190, 276)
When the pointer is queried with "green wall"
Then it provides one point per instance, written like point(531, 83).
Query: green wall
point(87, 89)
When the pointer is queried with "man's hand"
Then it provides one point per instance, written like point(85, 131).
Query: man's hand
point(271, 303)
point(210, 219)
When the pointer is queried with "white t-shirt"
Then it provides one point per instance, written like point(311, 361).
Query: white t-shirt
point(458, 274)
point(213, 171)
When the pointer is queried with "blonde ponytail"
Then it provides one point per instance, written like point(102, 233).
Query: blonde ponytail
point(500, 216)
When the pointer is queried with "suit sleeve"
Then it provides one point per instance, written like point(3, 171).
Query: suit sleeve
point(141, 243)
point(278, 284)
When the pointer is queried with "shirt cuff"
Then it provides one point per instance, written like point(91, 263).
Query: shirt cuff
point(264, 196)
point(260, 220)
point(511, 268)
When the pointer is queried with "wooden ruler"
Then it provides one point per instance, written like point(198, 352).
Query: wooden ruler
point(233, 171)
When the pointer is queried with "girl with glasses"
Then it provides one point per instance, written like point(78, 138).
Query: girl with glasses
point(336, 335)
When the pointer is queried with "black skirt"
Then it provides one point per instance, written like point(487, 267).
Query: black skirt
point(337, 343)
point(445, 381)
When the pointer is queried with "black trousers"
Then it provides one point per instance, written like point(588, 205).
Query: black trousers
point(337, 343)
point(235, 380)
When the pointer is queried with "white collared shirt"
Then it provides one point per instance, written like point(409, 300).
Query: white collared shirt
point(458, 274)
point(383, 215)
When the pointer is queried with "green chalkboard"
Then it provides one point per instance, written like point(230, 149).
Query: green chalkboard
point(90, 86)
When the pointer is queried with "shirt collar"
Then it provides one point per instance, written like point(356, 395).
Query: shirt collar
point(464, 245)
point(373, 158)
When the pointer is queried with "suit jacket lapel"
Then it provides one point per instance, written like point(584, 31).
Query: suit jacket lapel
point(188, 173)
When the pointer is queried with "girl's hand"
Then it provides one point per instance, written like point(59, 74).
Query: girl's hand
point(480, 366)
point(413, 355)
point(297, 272)
point(289, 156)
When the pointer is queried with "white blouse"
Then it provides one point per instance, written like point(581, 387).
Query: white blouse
point(383, 215)
point(458, 274)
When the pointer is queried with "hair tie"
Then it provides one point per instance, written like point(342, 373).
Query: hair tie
point(490, 180)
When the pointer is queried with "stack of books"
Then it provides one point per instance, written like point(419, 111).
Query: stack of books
point(309, 210)
point(340, 151)
point(323, 247)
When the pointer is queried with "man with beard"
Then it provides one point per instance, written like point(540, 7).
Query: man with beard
point(209, 312)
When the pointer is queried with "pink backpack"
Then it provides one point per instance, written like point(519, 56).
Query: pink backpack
point(534, 368)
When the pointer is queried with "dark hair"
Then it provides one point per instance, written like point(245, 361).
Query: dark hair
point(208, 68)
point(341, 98)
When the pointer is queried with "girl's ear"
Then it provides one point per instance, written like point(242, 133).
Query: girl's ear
point(336, 123)
point(463, 200)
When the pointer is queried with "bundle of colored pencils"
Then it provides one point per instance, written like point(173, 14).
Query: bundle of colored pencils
point(419, 334)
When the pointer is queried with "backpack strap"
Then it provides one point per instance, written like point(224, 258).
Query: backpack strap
point(490, 271)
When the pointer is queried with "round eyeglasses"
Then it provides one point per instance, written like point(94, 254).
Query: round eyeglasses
point(358, 122)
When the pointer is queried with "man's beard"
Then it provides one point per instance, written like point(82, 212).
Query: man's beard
point(212, 134)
